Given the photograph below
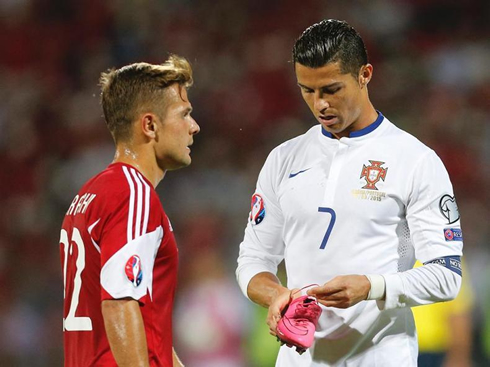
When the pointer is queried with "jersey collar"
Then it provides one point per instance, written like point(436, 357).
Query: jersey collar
point(362, 132)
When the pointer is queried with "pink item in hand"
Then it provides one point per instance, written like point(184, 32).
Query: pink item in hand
point(298, 323)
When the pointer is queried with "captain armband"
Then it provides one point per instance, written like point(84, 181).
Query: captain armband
point(453, 263)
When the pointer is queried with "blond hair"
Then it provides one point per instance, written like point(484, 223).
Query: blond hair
point(139, 88)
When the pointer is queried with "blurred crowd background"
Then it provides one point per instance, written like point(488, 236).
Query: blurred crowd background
point(431, 77)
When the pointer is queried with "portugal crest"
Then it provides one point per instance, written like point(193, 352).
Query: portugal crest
point(373, 173)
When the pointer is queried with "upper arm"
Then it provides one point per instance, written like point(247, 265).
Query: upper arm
point(262, 248)
point(432, 212)
point(120, 310)
point(125, 331)
point(130, 235)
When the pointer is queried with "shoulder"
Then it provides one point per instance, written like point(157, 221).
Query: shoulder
point(120, 185)
point(110, 183)
point(282, 157)
point(405, 143)
point(289, 148)
point(418, 164)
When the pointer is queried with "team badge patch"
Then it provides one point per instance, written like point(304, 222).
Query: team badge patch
point(453, 234)
point(373, 173)
point(449, 209)
point(257, 213)
point(134, 271)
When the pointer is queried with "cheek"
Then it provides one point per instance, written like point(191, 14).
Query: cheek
point(348, 102)
point(309, 101)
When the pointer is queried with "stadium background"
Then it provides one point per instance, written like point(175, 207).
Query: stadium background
point(431, 62)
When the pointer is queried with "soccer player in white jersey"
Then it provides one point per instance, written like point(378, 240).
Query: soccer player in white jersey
point(349, 206)
point(118, 251)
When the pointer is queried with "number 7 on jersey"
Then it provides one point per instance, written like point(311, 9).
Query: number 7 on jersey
point(333, 216)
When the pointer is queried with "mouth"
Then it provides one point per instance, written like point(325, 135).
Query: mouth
point(328, 120)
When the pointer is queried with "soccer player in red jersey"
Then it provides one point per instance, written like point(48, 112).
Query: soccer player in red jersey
point(118, 251)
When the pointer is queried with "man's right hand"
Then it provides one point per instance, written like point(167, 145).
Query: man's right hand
point(278, 305)
point(266, 290)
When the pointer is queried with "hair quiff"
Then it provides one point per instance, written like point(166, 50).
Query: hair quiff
point(139, 88)
point(329, 41)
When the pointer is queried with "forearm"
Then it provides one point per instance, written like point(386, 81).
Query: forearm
point(420, 286)
point(264, 287)
point(459, 352)
point(125, 332)
point(176, 360)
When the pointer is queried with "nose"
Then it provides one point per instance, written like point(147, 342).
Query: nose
point(320, 103)
point(194, 127)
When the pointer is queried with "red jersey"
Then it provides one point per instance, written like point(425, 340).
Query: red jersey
point(116, 241)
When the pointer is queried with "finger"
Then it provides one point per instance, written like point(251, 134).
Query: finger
point(275, 310)
point(323, 291)
point(339, 300)
point(335, 297)
point(314, 291)
point(274, 314)
point(273, 318)
point(272, 330)
point(334, 303)
point(295, 293)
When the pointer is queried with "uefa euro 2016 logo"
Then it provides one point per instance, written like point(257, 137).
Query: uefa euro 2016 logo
point(133, 270)
point(257, 213)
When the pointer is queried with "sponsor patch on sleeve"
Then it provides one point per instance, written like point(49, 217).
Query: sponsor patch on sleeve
point(453, 263)
point(453, 234)
point(257, 212)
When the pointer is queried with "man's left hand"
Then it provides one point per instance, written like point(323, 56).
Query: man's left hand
point(343, 291)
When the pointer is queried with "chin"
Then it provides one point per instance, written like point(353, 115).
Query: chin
point(184, 163)
point(175, 164)
point(334, 129)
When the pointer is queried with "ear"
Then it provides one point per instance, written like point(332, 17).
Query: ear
point(148, 125)
point(365, 75)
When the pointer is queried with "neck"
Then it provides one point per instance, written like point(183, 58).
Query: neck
point(143, 162)
point(366, 118)
point(370, 117)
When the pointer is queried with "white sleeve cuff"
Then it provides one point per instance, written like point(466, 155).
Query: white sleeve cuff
point(378, 287)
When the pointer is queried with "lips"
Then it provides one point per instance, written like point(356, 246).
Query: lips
point(328, 119)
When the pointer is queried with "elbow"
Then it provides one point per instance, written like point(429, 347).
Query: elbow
point(453, 286)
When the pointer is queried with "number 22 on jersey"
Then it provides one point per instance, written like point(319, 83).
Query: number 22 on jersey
point(72, 322)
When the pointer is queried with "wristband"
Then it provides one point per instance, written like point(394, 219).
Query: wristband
point(378, 286)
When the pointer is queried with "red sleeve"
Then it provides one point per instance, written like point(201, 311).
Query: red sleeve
point(129, 237)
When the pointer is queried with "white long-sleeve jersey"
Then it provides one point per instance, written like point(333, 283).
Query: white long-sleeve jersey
point(370, 203)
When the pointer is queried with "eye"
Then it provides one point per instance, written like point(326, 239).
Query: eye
point(306, 90)
point(331, 90)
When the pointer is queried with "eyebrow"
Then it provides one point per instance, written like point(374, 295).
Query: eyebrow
point(332, 85)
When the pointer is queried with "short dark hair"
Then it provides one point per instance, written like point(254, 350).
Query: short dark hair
point(138, 88)
point(329, 41)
